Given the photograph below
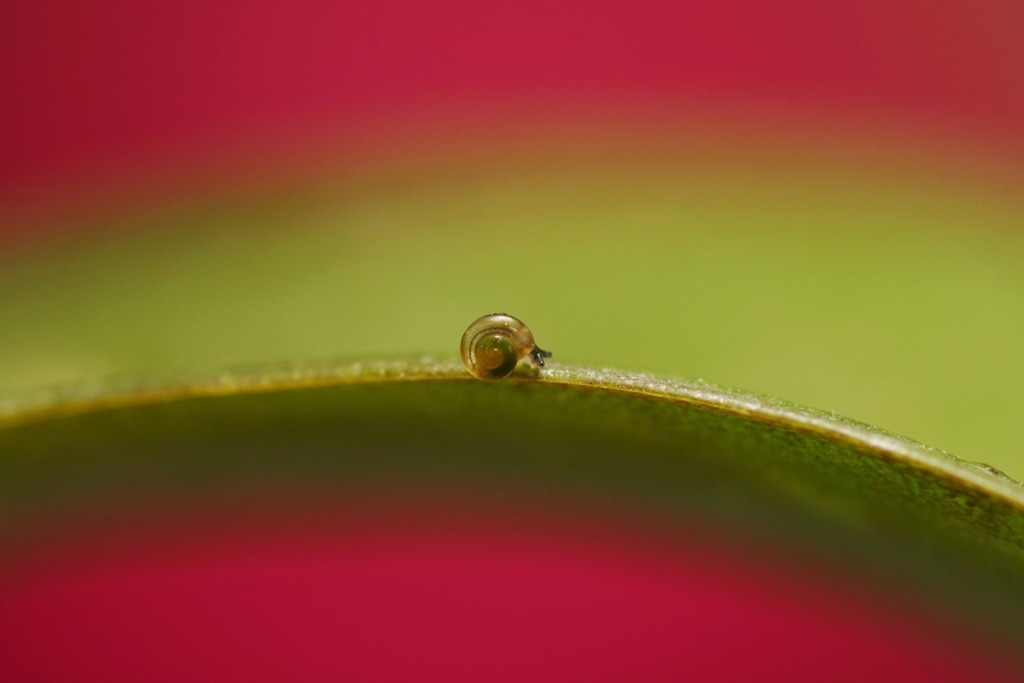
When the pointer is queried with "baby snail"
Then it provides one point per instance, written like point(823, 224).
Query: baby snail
point(494, 344)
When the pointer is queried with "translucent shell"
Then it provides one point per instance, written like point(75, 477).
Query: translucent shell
point(494, 344)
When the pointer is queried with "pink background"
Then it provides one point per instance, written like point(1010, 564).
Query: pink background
point(112, 97)
point(402, 593)
point(108, 100)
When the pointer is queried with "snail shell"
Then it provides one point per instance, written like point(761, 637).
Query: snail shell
point(494, 344)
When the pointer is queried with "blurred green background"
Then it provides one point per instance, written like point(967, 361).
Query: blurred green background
point(874, 285)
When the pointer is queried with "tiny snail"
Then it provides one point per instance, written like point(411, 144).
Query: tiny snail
point(494, 344)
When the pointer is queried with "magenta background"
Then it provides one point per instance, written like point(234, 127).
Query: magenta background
point(101, 98)
point(413, 594)
point(98, 96)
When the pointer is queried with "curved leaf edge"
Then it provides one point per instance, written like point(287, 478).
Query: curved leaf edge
point(111, 393)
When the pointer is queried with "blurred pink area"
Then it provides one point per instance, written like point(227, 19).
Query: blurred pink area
point(111, 99)
point(384, 595)
point(101, 97)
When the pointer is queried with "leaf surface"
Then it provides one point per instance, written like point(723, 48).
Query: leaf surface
point(823, 492)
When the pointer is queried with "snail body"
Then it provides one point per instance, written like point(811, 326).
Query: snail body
point(493, 345)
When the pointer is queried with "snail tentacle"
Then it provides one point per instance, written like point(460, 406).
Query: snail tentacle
point(538, 355)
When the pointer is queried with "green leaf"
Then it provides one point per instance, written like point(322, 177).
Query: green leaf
point(823, 491)
point(847, 280)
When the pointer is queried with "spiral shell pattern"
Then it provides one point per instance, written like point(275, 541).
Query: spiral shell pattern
point(493, 345)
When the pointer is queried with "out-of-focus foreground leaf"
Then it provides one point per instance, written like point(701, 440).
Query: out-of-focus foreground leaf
point(825, 492)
